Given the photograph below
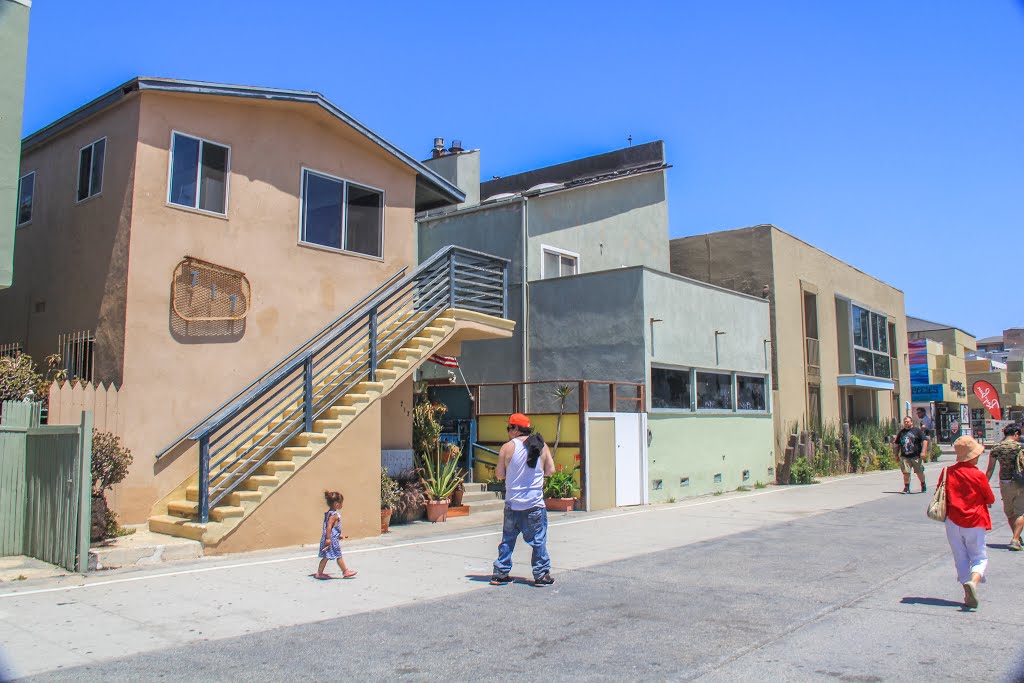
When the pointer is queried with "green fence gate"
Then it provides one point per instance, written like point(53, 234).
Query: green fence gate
point(45, 487)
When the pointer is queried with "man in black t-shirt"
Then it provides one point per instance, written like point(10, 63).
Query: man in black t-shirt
point(909, 446)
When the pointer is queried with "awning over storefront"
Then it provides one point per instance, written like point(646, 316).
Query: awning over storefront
point(866, 382)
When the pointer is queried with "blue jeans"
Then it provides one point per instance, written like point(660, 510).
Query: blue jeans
point(533, 525)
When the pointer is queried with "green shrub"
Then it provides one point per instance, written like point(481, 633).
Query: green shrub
point(801, 472)
point(110, 464)
point(388, 490)
point(856, 453)
point(934, 452)
point(760, 485)
point(886, 461)
point(19, 375)
point(561, 484)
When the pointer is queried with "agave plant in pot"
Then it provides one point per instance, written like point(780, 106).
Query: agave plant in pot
point(559, 489)
point(440, 479)
point(389, 493)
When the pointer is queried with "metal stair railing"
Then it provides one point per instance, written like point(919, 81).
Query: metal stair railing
point(240, 437)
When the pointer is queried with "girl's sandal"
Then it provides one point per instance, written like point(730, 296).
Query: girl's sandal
point(321, 576)
point(349, 574)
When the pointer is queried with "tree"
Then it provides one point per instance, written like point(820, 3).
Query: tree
point(561, 393)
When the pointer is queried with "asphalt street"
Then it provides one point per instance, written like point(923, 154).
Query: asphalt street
point(844, 581)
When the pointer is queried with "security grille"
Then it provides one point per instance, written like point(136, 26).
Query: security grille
point(12, 350)
point(77, 351)
point(206, 292)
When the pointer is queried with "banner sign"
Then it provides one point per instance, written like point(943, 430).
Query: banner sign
point(986, 393)
point(919, 363)
point(921, 393)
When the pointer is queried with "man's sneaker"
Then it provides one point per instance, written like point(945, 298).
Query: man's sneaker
point(1014, 545)
point(923, 487)
point(500, 579)
point(543, 580)
point(906, 488)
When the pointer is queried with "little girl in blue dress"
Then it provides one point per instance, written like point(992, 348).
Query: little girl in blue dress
point(330, 541)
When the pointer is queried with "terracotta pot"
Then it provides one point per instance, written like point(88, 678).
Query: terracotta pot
point(457, 497)
point(437, 510)
point(560, 504)
point(385, 520)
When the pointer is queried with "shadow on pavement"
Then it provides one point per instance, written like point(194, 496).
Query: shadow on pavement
point(934, 602)
point(486, 578)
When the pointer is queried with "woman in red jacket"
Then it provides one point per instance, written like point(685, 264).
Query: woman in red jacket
point(968, 496)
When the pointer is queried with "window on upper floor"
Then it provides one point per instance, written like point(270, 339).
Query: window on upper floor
point(26, 193)
point(871, 343)
point(342, 215)
point(199, 174)
point(670, 389)
point(558, 263)
point(90, 169)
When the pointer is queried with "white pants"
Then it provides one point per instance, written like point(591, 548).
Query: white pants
point(969, 552)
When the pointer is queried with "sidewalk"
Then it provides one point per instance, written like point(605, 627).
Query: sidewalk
point(54, 623)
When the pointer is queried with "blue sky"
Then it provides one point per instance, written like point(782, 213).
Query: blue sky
point(886, 133)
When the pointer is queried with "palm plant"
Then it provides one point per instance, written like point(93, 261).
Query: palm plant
point(561, 393)
point(440, 477)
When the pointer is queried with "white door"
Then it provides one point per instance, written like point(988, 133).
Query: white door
point(630, 459)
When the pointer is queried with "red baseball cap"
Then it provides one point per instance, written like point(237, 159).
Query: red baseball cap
point(519, 420)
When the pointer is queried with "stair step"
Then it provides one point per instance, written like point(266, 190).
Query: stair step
point(237, 498)
point(328, 425)
point(315, 439)
point(293, 452)
point(183, 508)
point(387, 373)
point(368, 387)
point(222, 512)
point(177, 526)
point(479, 497)
point(335, 412)
point(473, 487)
point(275, 466)
point(485, 507)
point(258, 480)
point(395, 364)
point(434, 331)
point(353, 399)
point(408, 353)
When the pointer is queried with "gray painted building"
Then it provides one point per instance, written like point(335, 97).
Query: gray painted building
point(13, 51)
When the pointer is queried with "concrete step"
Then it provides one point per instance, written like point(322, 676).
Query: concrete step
point(479, 497)
point(177, 526)
point(485, 507)
point(473, 488)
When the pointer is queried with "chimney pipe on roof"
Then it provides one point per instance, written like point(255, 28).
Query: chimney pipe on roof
point(456, 147)
point(438, 150)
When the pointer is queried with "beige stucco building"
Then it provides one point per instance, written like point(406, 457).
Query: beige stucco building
point(187, 236)
point(938, 376)
point(838, 341)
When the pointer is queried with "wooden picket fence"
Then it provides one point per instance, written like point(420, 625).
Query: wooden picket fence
point(69, 400)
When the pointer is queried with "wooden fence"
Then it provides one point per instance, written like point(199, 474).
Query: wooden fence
point(70, 399)
point(45, 487)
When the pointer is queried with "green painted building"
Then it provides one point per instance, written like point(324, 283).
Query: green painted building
point(13, 51)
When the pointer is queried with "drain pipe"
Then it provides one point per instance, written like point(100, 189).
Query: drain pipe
point(526, 302)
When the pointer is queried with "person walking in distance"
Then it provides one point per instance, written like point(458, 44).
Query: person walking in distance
point(968, 496)
point(910, 444)
point(1009, 453)
point(523, 462)
point(330, 540)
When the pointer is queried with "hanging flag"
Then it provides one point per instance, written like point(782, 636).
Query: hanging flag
point(989, 398)
point(447, 361)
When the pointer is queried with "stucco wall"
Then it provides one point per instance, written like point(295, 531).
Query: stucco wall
point(72, 259)
point(610, 224)
point(699, 447)
point(176, 380)
point(588, 327)
point(13, 51)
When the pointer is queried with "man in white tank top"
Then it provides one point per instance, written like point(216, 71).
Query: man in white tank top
point(524, 502)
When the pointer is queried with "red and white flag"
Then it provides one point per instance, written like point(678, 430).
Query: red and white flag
point(447, 361)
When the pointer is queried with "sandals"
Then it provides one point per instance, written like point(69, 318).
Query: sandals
point(970, 595)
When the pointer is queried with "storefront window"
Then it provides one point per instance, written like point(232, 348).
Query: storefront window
point(714, 391)
point(670, 389)
point(871, 343)
point(750, 393)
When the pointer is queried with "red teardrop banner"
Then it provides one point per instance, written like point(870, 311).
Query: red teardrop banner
point(989, 398)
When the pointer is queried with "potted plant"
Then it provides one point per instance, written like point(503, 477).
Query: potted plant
point(457, 495)
point(440, 479)
point(411, 504)
point(558, 490)
point(389, 493)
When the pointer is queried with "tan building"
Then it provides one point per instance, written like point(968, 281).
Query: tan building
point(938, 376)
point(839, 342)
point(184, 238)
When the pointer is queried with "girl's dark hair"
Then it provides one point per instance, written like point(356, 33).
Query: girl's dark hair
point(534, 446)
point(333, 497)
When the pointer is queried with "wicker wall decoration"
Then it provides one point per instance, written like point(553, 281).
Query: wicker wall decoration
point(205, 292)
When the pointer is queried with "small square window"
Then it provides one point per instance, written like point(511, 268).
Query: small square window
point(90, 169)
point(558, 263)
point(658, 484)
point(746, 475)
point(685, 481)
point(26, 197)
point(718, 478)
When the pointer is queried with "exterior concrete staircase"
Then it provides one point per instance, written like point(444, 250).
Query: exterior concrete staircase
point(179, 513)
point(479, 499)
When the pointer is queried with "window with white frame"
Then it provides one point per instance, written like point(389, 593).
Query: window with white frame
point(871, 343)
point(26, 193)
point(751, 393)
point(558, 263)
point(199, 174)
point(339, 214)
point(90, 169)
point(670, 388)
point(714, 391)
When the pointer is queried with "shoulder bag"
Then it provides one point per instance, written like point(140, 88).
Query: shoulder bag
point(937, 508)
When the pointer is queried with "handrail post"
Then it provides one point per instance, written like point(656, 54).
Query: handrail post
point(373, 344)
point(451, 280)
point(504, 291)
point(307, 393)
point(204, 480)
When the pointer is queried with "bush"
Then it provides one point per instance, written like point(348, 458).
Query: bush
point(934, 452)
point(20, 375)
point(886, 461)
point(110, 464)
point(856, 453)
point(561, 484)
point(411, 501)
point(801, 473)
point(389, 490)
